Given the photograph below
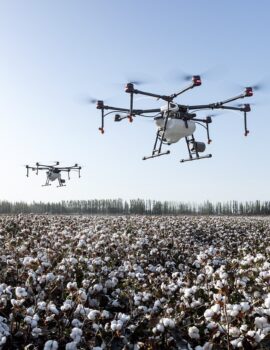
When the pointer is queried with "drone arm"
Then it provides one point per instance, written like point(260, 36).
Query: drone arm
point(196, 81)
point(143, 111)
point(130, 90)
point(247, 93)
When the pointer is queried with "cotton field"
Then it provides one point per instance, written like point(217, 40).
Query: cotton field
point(134, 283)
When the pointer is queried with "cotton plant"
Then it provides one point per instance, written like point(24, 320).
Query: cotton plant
point(91, 279)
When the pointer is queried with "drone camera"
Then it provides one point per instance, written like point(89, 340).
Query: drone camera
point(248, 92)
point(129, 88)
point(117, 118)
point(196, 79)
point(100, 104)
point(198, 147)
point(101, 130)
point(208, 120)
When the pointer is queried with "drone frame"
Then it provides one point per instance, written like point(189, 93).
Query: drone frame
point(53, 168)
point(183, 114)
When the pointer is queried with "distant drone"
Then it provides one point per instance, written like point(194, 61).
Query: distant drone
point(54, 172)
point(175, 121)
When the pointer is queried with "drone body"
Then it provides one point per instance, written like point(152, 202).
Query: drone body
point(53, 172)
point(175, 121)
point(176, 129)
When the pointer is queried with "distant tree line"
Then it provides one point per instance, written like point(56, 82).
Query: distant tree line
point(136, 206)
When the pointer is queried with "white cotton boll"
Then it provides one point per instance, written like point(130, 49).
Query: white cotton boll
point(85, 283)
point(28, 320)
point(82, 296)
point(123, 317)
point(216, 308)
point(113, 325)
point(72, 286)
point(34, 323)
point(41, 305)
point(169, 310)
point(98, 287)
point(209, 270)
point(219, 284)
point(160, 328)
point(234, 332)
point(188, 292)
point(223, 275)
point(76, 323)
point(17, 303)
point(66, 307)
point(157, 304)
point(52, 308)
point(95, 326)
point(267, 302)
point(193, 332)
point(71, 346)
point(206, 346)
point(211, 325)
point(50, 318)
point(76, 334)
point(245, 306)
point(36, 332)
point(115, 303)
point(208, 314)
point(260, 322)
point(237, 307)
point(244, 328)
point(3, 340)
point(197, 264)
point(20, 292)
point(236, 343)
point(30, 311)
point(73, 261)
point(105, 314)
point(142, 308)
point(50, 277)
point(28, 260)
point(51, 345)
point(119, 325)
point(167, 322)
point(93, 314)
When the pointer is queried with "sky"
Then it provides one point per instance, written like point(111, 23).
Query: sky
point(57, 54)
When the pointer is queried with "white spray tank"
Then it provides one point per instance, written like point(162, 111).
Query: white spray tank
point(176, 129)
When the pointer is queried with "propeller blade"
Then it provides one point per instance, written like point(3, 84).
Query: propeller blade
point(262, 85)
point(241, 105)
point(210, 73)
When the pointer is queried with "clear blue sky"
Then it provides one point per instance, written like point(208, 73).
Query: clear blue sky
point(54, 53)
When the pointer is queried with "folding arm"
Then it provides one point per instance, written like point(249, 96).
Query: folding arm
point(220, 105)
point(196, 81)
